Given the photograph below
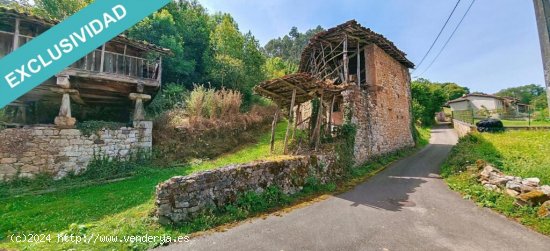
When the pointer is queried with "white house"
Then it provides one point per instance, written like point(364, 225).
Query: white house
point(491, 103)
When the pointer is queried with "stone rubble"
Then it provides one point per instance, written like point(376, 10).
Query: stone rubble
point(526, 191)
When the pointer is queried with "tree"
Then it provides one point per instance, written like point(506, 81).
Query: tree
point(429, 97)
point(237, 61)
point(226, 43)
point(290, 47)
point(59, 9)
point(540, 102)
point(524, 93)
point(276, 67)
point(454, 91)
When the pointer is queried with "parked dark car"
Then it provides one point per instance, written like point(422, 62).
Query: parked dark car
point(490, 125)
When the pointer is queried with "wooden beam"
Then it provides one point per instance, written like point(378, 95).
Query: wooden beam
point(16, 34)
point(346, 61)
point(358, 63)
point(329, 129)
point(160, 70)
point(271, 93)
point(297, 119)
point(294, 87)
point(290, 120)
point(102, 61)
point(317, 133)
point(367, 72)
point(273, 126)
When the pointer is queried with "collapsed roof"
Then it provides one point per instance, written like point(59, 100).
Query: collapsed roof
point(325, 62)
point(333, 38)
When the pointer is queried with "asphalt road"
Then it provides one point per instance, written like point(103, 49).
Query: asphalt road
point(405, 207)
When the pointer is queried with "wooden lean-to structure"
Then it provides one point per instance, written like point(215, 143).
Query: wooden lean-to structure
point(332, 61)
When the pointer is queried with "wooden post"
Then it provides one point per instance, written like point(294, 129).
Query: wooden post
point(298, 118)
point(160, 70)
point(16, 34)
point(366, 63)
point(318, 123)
point(358, 63)
point(329, 127)
point(273, 126)
point(290, 120)
point(93, 60)
point(346, 60)
point(102, 62)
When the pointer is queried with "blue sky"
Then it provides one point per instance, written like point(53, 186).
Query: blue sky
point(496, 46)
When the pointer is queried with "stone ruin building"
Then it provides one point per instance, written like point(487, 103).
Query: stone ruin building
point(350, 67)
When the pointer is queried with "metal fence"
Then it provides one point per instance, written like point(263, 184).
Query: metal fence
point(464, 116)
point(528, 118)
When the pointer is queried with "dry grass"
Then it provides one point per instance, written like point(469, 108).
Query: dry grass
point(213, 104)
point(210, 124)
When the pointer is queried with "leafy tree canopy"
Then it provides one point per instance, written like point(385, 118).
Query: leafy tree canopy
point(290, 47)
point(525, 93)
point(429, 97)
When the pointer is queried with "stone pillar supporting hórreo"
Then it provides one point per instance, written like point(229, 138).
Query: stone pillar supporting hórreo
point(64, 118)
point(139, 112)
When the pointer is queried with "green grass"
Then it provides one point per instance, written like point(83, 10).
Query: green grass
point(512, 123)
point(423, 135)
point(518, 153)
point(124, 208)
point(110, 209)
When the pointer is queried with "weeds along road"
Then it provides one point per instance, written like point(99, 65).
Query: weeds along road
point(405, 207)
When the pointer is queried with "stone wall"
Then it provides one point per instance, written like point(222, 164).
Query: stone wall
point(381, 109)
point(463, 128)
point(47, 149)
point(180, 198)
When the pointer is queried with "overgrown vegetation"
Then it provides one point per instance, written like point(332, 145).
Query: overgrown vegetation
point(94, 126)
point(518, 153)
point(208, 123)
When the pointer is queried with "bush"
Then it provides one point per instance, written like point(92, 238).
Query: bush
point(181, 137)
point(171, 96)
point(93, 126)
point(214, 104)
point(104, 167)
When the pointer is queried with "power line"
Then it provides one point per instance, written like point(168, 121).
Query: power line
point(438, 35)
point(449, 39)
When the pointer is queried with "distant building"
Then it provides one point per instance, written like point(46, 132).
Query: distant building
point(491, 103)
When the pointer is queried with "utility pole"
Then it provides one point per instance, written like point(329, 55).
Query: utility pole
point(542, 12)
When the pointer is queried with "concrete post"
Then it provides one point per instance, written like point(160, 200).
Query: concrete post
point(542, 12)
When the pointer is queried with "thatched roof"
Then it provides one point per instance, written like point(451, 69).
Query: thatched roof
point(354, 31)
point(47, 22)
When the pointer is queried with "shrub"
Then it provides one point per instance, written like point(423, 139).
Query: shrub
point(104, 167)
point(171, 96)
point(214, 104)
point(178, 136)
point(93, 126)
